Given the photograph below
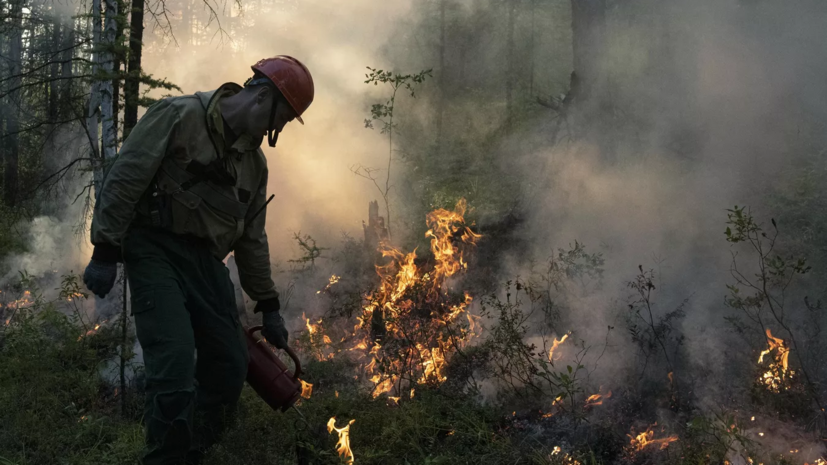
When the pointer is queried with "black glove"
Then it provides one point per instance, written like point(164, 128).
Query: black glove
point(274, 330)
point(99, 276)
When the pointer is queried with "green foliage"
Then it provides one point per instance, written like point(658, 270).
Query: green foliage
point(715, 438)
point(434, 427)
point(383, 112)
point(652, 333)
point(761, 296)
point(521, 368)
point(51, 403)
point(565, 278)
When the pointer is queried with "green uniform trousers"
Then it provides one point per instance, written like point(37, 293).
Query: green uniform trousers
point(195, 355)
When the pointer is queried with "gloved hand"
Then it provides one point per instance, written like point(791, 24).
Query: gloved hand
point(274, 330)
point(99, 276)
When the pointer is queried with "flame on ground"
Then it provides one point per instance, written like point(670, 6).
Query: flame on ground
point(559, 456)
point(647, 438)
point(778, 372)
point(343, 446)
point(556, 406)
point(597, 399)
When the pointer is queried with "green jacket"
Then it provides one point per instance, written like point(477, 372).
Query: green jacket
point(173, 133)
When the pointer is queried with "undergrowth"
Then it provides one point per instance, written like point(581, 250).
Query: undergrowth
point(511, 398)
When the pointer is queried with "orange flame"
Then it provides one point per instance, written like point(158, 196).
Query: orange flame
point(555, 407)
point(444, 225)
point(307, 389)
point(555, 345)
point(646, 438)
point(310, 328)
point(419, 325)
point(93, 330)
point(331, 281)
point(343, 446)
point(21, 302)
point(318, 338)
point(558, 454)
point(597, 399)
point(778, 372)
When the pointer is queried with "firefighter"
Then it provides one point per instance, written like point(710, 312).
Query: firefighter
point(187, 188)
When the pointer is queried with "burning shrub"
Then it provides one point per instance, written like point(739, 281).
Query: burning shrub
point(762, 295)
point(412, 324)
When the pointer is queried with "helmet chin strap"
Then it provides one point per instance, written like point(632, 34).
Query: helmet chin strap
point(272, 134)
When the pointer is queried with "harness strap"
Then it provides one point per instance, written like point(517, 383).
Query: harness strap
point(213, 197)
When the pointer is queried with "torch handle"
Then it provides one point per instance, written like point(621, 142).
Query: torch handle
point(287, 349)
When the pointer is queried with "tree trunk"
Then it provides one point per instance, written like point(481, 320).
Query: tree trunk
point(119, 60)
point(53, 158)
point(93, 116)
point(109, 133)
point(68, 48)
point(133, 77)
point(588, 24)
point(54, 72)
point(12, 145)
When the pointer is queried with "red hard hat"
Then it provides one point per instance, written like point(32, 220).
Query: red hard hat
point(292, 78)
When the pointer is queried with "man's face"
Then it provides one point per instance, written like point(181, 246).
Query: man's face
point(259, 114)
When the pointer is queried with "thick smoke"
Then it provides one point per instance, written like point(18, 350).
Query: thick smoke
point(713, 102)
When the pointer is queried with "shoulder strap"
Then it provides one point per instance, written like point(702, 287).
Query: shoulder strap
point(213, 197)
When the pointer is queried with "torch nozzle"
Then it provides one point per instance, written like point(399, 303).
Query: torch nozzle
point(301, 416)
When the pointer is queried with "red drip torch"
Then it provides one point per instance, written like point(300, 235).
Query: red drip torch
point(269, 376)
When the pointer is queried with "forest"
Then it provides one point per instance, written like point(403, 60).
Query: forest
point(508, 232)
